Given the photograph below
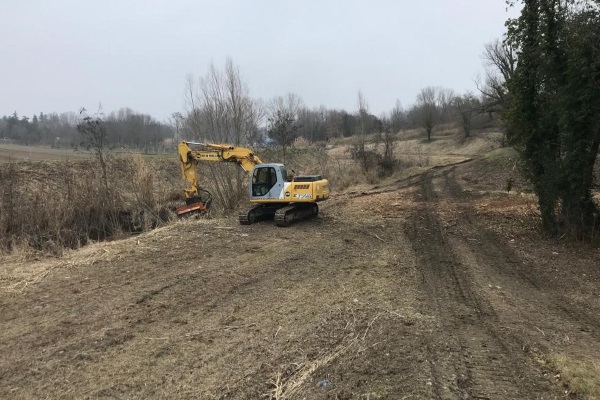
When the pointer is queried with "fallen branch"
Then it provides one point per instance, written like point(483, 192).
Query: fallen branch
point(285, 390)
point(369, 325)
point(220, 328)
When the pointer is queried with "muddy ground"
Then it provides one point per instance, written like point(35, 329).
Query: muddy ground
point(436, 286)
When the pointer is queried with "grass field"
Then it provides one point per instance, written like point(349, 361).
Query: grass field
point(17, 152)
point(31, 153)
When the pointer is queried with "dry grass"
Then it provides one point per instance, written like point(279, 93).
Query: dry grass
point(412, 152)
point(286, 388)
point(25, 266)
point(413, 155)
point(53, 205)
point(345, 141)
point(580, 376)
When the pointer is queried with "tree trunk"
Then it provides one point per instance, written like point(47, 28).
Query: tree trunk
point(579, 212)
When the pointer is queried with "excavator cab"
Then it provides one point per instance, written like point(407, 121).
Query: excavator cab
point(268, 181)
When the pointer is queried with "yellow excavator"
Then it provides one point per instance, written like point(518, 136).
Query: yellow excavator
point(272, 194)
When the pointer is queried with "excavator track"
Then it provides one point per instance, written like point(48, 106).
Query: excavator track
point(252, 214)
point(295, 212)
point(248, 215)
point(283, 216)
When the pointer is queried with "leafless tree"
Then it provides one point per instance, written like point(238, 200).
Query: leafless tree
point(427, 109)
point(221, 110)
point(290, 104)
point(387, 162)
point(282, 118)
point(283, 128)
point(93, 131)
point(359, 150)
point(177, 120)
point(335, 122)
point(363, 114)
point(500, 62)
point(444, 100)
point(397, 117)
point(313, 123)
point(466, 107)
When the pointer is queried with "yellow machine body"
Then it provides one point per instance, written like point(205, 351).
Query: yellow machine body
point(271, 191)
point(270, 184)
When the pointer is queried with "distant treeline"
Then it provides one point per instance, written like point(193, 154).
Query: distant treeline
point(237, 118)
point(125, 129)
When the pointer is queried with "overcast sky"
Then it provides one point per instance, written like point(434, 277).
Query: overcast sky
point(61, 55)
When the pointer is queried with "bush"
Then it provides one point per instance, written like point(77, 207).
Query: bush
point(378, 159)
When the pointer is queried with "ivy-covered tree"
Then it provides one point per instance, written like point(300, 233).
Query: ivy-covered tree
point(553, 115)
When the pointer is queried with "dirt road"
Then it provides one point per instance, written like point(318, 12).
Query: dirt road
point(409, 291)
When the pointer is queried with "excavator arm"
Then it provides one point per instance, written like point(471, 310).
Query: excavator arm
point(242, 156)
point(189, 158)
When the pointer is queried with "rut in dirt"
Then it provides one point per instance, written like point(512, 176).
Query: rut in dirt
point(469, 356)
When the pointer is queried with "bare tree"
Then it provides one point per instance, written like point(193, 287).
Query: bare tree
point(397, 117)
point(244, 111)
point(177, 120)
point(220, 109)
point(427, 109)
point(500, 62)
point(466, 107)
point(363, 114)
point(282, 118)
point(358, 150)
point(444, 101)
point(387, 162)
point(290, 104)
point(283, 128)
point(313, 123)
point(93, 131)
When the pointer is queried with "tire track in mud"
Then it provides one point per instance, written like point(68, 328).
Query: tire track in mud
point(541, 308)
point(468, 356)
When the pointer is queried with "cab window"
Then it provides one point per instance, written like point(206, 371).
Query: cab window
point(285, 175)
point(263, 179)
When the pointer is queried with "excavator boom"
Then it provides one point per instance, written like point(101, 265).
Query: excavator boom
point(242, 156)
